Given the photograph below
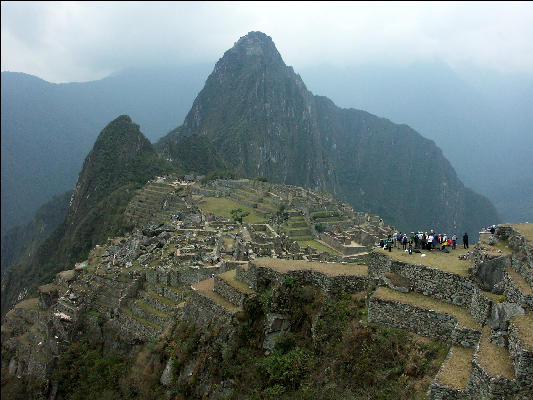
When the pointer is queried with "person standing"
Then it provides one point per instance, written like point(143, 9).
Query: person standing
point(465, 240)
point(390, 243)
point(454, 241)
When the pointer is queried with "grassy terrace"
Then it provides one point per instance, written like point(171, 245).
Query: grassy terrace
point(332, 269)
point(29, 304)
point(49, 287)
point(149, 309)
point(255, 197)
point(455, 372)
point(230, 277)
point(494, 359)
point(415, 299)
point(520, 282)
point(503, 246)
point(142, 321)
point(526, 230)
point(318, 246)
point(206, 289)
point(222, 207)
point(161, 299)
point(448, 262)
point(524, 323)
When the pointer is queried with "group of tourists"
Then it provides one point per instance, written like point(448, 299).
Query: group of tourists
point(417, 241)
point(489, 229)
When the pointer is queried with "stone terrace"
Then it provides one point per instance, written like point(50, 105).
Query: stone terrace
point(438, 296)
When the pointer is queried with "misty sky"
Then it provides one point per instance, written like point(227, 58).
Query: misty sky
point(71, 41)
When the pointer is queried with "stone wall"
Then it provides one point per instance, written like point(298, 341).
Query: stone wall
point(378, 265)
point(134, 330)
point(227, 291)
point(201, 310)
point(480, 307)
point(482, 386)
point(440, 392)
point(262, 276)
point(244, 275)
point(522, 260)
point(522, 358)
point(513, 294)
point(440, 285)
point(185, 275)
point(421, 321)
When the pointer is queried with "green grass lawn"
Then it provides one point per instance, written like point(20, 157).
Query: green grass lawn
point(317, 246)
point(448, 262)
point(222, 207)
point(526, 230)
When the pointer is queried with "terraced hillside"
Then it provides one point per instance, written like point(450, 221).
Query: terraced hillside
point(474, 301)
point(187, 264)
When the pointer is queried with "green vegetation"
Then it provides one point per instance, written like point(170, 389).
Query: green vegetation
point(343, 358)
point(319, 228)
point(238, 214)
point(218, 174)
point(222, 207)
point(317, 246)
point(20, 242)
point(85, 373)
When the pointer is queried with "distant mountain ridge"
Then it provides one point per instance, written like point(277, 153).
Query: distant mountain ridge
point(262, 121)
point(48, 129)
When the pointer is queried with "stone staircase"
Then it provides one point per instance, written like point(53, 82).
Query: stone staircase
point(484, 361)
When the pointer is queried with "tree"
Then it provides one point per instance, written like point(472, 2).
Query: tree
point(238, 214)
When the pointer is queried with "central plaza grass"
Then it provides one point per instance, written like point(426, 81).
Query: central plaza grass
point(222, 207)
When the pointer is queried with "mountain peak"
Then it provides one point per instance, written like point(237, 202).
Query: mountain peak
point(255, 43)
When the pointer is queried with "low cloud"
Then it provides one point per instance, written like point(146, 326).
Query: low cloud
point(71, 41)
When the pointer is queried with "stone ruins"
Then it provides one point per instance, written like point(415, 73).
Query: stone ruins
point(186, 259)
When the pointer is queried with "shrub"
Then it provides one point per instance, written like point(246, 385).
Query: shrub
point(286, 369)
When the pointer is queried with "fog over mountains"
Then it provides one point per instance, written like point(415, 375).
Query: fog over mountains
point(480, 121)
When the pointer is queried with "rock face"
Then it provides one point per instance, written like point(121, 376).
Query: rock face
point(119, 159)
point(256, 116)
